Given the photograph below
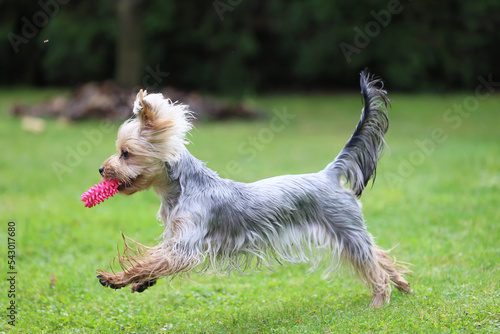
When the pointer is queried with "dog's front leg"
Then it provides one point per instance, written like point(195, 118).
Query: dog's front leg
point(143, 268)
point(122, 279)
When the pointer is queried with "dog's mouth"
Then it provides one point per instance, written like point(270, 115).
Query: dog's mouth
point(127, 184)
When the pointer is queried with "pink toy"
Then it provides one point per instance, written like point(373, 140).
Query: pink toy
point(100, 192)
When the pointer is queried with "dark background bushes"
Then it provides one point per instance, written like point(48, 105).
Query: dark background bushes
point(234, 47)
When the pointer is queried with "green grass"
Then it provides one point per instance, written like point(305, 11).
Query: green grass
point(442, 207)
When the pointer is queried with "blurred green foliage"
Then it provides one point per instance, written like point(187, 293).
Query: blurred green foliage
point(238, 46)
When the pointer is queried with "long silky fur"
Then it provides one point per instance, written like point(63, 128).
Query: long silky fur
point(219, 225)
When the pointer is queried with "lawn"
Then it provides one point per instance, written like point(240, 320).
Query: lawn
point(437, 196)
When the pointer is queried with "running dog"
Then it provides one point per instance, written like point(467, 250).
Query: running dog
point(223, 225)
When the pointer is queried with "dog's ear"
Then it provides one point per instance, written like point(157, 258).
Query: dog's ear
point(143, 109)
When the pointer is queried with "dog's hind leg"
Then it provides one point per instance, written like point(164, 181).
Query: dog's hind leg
point(376, 269)
point(394, 269)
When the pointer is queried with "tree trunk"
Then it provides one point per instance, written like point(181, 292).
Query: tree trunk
point(129, 49)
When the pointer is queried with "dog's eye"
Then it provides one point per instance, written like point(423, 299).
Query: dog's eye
point(124, 154)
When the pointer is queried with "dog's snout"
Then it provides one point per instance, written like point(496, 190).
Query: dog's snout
point(101, 170)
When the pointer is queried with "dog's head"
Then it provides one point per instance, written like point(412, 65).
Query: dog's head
point(153, 137)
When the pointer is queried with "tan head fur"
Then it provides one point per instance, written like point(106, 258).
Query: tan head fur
point(155, 135)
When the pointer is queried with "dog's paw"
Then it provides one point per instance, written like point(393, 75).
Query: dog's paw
point(140, 287)
point(107, 283)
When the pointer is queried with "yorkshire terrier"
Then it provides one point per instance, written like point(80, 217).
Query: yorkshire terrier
point(223, 225)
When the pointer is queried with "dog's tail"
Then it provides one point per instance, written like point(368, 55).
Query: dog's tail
point(357, 162)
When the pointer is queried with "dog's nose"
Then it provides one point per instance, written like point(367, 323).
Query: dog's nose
point(101, 170)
